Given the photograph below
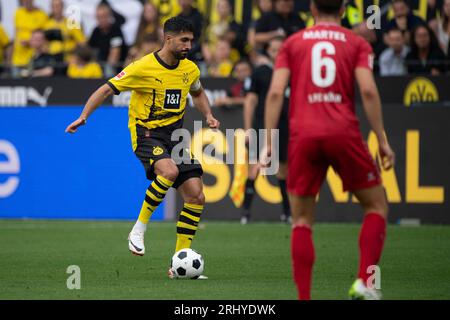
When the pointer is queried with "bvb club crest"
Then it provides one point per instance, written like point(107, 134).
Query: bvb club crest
point(185, 77)
point(157, 151)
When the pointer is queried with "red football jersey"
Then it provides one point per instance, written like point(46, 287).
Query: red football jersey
point(322, 60)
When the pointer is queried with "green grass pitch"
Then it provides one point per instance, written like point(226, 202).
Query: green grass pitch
point(242, 262)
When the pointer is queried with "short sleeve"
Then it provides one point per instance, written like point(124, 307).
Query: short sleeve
point(283, 58)
point(127, 79)
point(116, 38)
point(365, 55)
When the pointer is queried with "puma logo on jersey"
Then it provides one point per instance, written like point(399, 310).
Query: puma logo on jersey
point(157, 80)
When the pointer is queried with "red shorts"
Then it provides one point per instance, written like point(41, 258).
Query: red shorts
point(309, 159)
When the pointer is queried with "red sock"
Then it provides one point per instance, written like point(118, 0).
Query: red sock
point(302, 250)
point(371, 240)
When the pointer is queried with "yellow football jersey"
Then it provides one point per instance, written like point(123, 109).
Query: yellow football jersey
point(4, 41)
point(166, 9)
point(223, 69)
point(91, 70)
point(159, 93)
point(25, 22)
point(71, 37)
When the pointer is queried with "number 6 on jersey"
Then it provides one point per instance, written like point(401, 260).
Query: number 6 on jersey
point(319, 61)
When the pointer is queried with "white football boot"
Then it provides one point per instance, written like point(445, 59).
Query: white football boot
point(136, 242)
point(172, 275)
point(359, 291)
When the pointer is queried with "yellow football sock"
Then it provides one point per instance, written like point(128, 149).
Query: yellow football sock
point(187, 225)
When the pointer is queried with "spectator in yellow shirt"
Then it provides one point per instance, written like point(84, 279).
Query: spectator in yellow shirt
point(235, 95)
point(82, 65)
point(27, 19)
point(221, 64)
point(166, 8)
point(225, 27)
point(62, 35)
point(5, 48)
point(42, 64)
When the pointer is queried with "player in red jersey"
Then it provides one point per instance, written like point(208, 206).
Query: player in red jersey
point(322, 64)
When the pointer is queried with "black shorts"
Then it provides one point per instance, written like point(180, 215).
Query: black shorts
point(153, 148)
point(283, 126)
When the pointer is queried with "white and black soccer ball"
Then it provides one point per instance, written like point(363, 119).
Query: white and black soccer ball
point(187, 264)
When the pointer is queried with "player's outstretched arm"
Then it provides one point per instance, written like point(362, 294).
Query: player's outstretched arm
point(372, 107)
point(94, 101)
point(274, 102)
point(201, 102)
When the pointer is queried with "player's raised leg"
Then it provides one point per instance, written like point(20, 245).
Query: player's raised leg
point(166, 173)
point(302, 246)
point(371, 239)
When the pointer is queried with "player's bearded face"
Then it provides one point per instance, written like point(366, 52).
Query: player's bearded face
point(181, 45)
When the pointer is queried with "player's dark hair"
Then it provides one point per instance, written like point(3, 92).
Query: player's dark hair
point(329, 6)
point(178, 25)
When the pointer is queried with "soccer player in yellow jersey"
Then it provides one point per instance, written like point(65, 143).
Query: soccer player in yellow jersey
point(160, 83)
point(27, 19)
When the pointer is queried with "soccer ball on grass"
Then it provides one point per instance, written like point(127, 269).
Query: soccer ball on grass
point(187, 264)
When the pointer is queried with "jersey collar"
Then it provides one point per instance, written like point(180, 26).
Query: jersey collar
point(165, 65)
point(334, 24)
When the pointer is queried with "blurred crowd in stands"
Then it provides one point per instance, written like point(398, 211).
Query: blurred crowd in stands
point(51, 44)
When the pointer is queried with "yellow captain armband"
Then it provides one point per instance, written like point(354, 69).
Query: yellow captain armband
point(196, 86)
